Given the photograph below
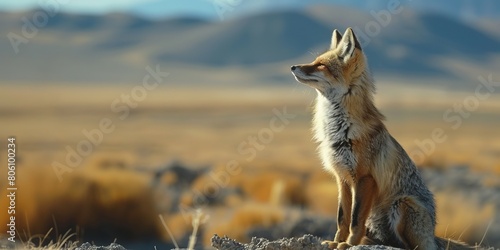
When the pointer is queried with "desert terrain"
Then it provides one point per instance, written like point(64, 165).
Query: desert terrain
point(272, 178)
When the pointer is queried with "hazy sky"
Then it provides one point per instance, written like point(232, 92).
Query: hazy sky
point(89, 5)
point(148, 8)
point(207, 8)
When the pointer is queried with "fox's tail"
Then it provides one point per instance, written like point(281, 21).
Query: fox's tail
point(449, 244)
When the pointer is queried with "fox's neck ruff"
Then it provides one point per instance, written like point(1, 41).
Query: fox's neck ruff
point(334, 130)
point(343, 117)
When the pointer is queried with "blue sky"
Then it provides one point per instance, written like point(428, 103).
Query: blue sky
point(147, 8)
point(464, 9)
point(86, 6)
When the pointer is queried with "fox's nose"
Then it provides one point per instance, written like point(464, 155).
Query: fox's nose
point(294, 67)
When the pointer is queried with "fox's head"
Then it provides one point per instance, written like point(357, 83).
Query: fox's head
point(337, 70)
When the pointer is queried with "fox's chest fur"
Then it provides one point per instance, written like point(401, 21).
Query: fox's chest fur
point(336, 131)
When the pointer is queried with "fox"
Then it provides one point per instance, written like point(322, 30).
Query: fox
point(383, 199)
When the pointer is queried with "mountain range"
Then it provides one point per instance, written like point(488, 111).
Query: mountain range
point(116, 47)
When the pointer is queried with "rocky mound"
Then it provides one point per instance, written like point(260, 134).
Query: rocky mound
point(306, 242)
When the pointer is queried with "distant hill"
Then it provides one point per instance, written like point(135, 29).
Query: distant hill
point(116, 47)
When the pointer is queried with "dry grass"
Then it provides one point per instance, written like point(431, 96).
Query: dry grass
point(45, 243)
point(207, 126)
point(244, 218)
point(218, 120)
point(462, 218)
point(179, 225)
point(262, 184)
point(272, 187)
point(322, 197)
point(104, 204)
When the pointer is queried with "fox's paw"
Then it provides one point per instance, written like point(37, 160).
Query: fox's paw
point(343, 246)
point(336, 245)
point(331, 244)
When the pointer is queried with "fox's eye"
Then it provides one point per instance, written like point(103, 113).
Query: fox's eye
point(325, 69)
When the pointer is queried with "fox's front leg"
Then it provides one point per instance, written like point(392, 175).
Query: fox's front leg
point(365, 190)
point(343, 215)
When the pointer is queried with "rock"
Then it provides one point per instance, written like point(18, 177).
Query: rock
point(112, 246)
point(307, 242)
point(376, 247)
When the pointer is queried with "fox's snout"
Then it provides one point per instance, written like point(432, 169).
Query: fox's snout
point(307, 69)
point(296, 70)
point(307, 73)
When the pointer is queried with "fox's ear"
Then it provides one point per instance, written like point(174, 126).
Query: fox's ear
point(347, 45)
point(336, 37)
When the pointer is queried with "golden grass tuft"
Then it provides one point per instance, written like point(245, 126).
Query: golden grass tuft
point(461, 218)
point(273, 187)
point(234, 200)
point(245, 217)
point(257, 185)
point(179, 225)
point(169, 179)
point(322, 197)
point(103, 204)
point(109, 161)
point(321, 193)
point(45, 243)
point(496, 169)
